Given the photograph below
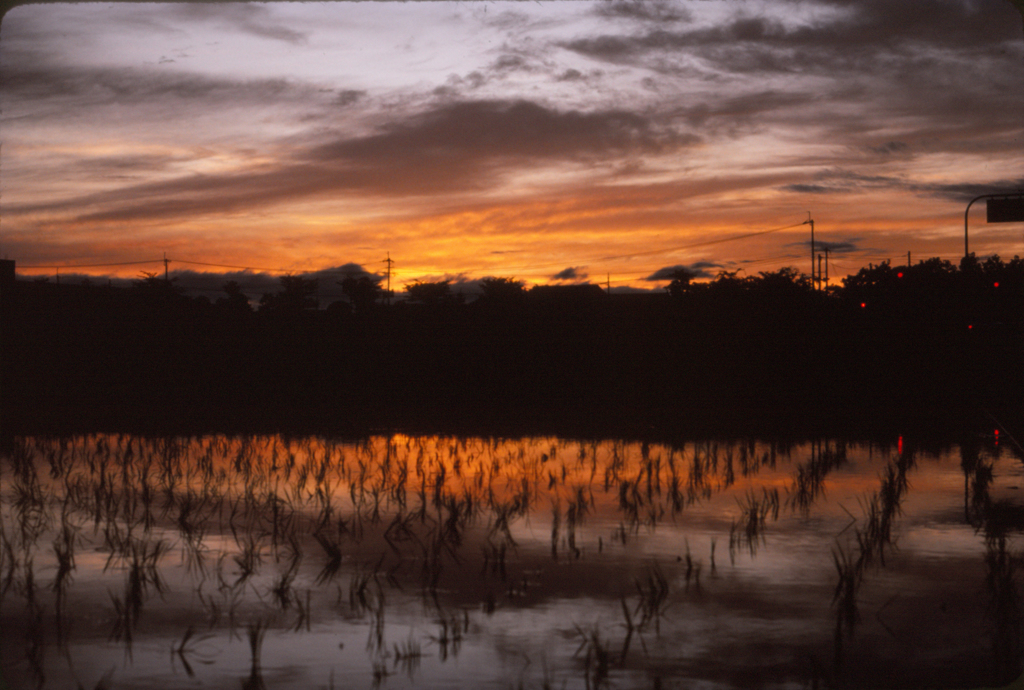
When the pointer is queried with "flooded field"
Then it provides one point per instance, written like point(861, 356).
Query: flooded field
point(443, 562)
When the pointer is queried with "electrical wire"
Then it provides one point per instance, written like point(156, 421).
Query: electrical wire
point(651, 252)
point(700, 244)
point(243, 268)
point(122, 263)
point(524, 268)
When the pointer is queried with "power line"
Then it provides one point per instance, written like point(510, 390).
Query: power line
point(165, 260)
point(651, 252)
point(243, 268)
point(700, 244)
point(122, 263)
point(391, 271)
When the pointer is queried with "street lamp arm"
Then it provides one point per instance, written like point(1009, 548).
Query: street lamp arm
point(968, 210)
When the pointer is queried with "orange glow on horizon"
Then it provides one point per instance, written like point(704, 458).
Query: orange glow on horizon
point(465, 163)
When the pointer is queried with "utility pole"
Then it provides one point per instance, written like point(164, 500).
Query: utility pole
point(388, 261)
point(826, 268)
point(608, 285)
point(819, 271)
point(166, 278)
point(810, 222)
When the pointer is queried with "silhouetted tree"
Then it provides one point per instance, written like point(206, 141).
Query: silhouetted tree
point(727, 285)
point(431, 293)
point(156, 289)
point(934, 270)
point(682, 281)
point(874, 285)
point(503, 290)
point(362, 292)
point(297, 294)
point(236, 301)
point(786, 280)
point(152, 282)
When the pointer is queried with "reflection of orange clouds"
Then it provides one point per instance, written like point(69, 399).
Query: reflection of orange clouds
point(550, 466)
point(530, 481)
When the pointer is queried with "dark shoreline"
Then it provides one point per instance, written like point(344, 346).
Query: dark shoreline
point(768, 358)
point(936, 428)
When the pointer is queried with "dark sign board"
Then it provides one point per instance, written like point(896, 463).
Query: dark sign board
point(1006, 210)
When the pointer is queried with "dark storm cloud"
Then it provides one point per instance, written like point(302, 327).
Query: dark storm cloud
point(211, 284)
point(454, 147)
point(571, 273)
point(703, 265)
point(698, 269)
point(353, 270)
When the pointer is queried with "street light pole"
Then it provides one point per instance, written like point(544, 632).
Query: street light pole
point(811, 223)
point(966, 212)
point(1012, 217)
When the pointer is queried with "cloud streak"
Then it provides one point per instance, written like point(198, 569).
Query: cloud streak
point(456, 148)
point(622, 136)
point(839, 181)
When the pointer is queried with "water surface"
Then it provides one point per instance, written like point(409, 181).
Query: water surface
point(399, 561)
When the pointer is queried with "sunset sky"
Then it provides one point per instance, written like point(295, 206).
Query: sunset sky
point(547, 141)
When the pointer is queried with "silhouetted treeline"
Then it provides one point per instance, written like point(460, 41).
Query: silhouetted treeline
point(932, 340)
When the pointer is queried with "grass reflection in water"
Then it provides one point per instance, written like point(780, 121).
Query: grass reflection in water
point(433, 561)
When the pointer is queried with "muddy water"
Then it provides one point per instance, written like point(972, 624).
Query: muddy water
point(400, 562)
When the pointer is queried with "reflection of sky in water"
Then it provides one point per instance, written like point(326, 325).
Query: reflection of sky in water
point(694, 565)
